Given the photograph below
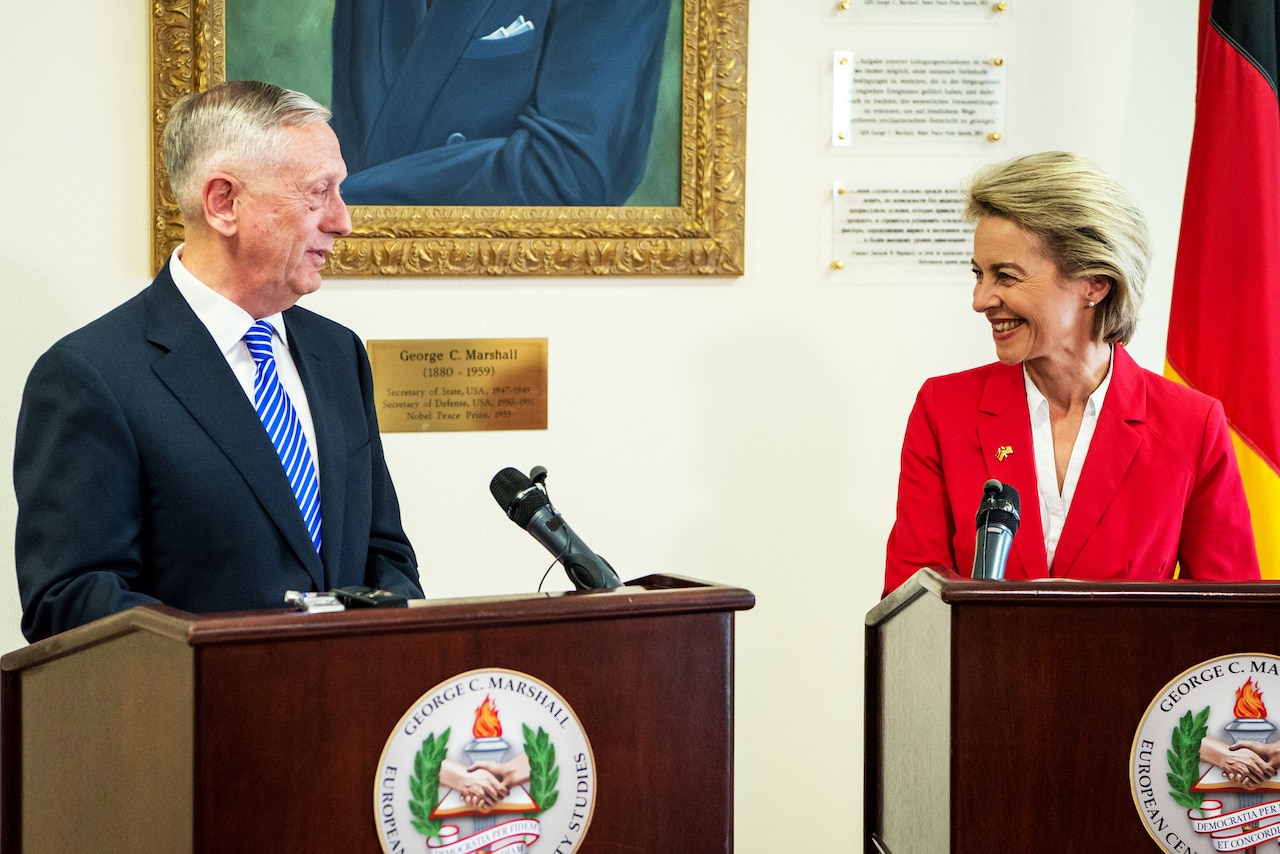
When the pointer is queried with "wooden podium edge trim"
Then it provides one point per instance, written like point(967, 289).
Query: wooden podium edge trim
point(950, 587)
point(648, 596)
point(159, 620)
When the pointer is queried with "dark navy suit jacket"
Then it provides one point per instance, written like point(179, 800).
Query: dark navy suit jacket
point(429, 112)
point(143, 473)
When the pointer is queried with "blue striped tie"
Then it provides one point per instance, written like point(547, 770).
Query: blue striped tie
point(278, 416)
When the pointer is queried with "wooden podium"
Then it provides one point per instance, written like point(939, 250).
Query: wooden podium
point(155, 730)
point(1000, 715)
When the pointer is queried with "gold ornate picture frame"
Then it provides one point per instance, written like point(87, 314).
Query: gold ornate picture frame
point(702, 236)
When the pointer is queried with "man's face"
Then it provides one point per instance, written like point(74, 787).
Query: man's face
point(288, 220)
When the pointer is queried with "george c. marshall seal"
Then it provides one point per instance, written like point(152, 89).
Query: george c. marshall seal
point(490, 761)
point(1204, 770)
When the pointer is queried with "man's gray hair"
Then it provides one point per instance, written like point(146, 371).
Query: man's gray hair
point(236, 127)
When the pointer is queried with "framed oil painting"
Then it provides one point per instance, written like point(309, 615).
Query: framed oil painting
point(504, 137)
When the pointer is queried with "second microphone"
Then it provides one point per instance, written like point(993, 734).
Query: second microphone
point(530, 508)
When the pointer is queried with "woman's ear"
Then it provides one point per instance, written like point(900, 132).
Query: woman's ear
point(1096, 288)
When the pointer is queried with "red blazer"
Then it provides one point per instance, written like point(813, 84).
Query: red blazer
point(1159, 487)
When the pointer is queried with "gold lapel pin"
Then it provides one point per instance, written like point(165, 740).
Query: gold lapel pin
point(1004, 451)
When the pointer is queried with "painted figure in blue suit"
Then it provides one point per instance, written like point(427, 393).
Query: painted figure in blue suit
point(495, 102)
point(142, 470)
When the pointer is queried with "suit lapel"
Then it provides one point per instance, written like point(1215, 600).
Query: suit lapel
point(197, 374)
point(438, 45)
point(1116, 441)
point(1008, 453)
point(324, 403)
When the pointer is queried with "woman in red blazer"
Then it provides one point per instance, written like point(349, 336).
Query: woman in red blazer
point(1122, 474)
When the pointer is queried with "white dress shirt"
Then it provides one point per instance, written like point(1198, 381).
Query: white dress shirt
point(227, 323)
point(1054, 506)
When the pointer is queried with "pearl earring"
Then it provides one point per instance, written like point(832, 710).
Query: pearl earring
point(1090, 303)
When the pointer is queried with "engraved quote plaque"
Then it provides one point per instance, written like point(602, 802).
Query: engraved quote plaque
point(935, 102)
point(883, 232)
point(460, 384)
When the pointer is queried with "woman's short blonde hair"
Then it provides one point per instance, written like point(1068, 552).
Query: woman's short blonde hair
point(1088, 224)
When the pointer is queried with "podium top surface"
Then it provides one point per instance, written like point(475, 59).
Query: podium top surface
point(955, 589)
point(652, 595)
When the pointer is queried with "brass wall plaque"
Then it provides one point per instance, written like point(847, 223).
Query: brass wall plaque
point(460, 384)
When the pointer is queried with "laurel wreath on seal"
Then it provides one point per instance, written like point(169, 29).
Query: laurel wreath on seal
point(424, 784)
point(1184, 759)
point(543, 772)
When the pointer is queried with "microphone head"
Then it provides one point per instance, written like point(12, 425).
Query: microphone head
point(1000, 505)
point(528, 506)
point(538, 474)
point(506, 487)
point(517, 496)
point(1010, 496)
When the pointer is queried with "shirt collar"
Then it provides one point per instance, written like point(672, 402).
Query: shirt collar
point(226, 321)
point(1039, 405)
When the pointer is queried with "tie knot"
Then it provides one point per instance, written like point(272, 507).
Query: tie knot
point(258, 340)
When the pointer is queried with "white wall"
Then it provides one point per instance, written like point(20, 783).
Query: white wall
point(744, 431)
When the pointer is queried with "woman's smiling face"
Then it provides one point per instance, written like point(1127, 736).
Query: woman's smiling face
point(1034, 310)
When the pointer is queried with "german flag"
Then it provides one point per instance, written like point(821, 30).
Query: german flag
point(1224, 325)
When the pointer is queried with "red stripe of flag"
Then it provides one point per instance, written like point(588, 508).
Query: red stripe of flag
point(1224, 324)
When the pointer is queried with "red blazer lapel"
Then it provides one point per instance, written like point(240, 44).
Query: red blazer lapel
point(1115, 443)
point(1008, 455)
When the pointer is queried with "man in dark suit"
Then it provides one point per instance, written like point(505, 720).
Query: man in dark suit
point(505, 102)
point(143, 470)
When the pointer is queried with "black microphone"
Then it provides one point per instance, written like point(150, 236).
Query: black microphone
point(529, 507)
point(997, 522)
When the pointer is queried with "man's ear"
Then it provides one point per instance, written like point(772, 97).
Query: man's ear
point(221, 192)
